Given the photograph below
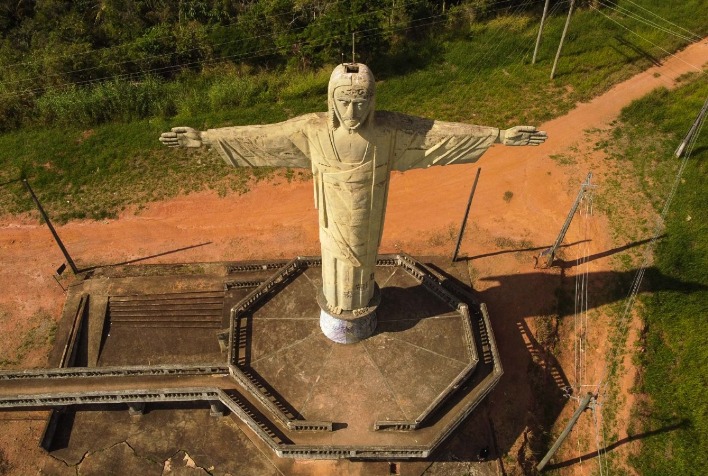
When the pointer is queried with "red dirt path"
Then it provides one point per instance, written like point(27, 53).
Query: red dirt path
point(277, 219)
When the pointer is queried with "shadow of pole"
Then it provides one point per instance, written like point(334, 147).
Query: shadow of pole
point(570, 263)
point(676, 426)
point(144, 258)
point(502, 252)
point(3, 184)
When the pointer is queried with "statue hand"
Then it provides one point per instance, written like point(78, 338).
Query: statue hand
point(182, 137)
point(522, 135)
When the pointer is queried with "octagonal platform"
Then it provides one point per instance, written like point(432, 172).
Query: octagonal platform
point(155, 332)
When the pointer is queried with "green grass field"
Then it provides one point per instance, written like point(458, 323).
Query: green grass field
point(673, 420)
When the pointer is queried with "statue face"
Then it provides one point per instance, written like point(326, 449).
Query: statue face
point(352, 105)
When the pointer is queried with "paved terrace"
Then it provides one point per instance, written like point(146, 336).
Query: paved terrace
point(398, 394)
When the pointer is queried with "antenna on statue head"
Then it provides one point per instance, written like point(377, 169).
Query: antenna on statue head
point(353, 47)
point(342, 53)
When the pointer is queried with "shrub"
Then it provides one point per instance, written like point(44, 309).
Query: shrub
point(117, 100)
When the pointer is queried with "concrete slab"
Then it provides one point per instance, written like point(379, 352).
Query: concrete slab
point(268, 336)
point(114, 441)
point(351, 391)
point(415, 374)
point(293, 369)
point(419, 348)
point(438, 334)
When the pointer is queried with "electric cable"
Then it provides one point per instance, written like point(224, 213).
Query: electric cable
point(623, 11)
point(645, 39)
point(637, 281)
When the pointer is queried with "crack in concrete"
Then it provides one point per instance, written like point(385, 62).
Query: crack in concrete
point(75, 465)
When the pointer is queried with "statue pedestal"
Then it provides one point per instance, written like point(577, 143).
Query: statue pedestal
point(349, 327)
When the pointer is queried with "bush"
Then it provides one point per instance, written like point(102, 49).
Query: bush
point(234, 90)
point(16, 109)
point(110, 101)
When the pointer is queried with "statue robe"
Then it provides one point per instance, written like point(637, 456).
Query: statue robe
point(351, 197)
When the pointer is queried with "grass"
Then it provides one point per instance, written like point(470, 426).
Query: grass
point(674, 357)
point(42, 334)
point(90, 158)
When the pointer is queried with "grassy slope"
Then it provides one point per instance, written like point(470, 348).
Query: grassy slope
point(675, 357)
point(479, 76)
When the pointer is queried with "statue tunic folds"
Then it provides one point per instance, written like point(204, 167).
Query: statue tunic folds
point(351, 195)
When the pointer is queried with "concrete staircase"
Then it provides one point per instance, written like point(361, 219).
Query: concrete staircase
point(201, 309)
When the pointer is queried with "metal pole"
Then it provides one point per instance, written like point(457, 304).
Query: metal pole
point(560, 45)
point(467, 212)
point(51, 228)
point(550, 252)
point(353, 45)
point(692, 131)
point(583, 405)
point(540, 29)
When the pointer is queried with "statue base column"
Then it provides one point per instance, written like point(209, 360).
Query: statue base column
point(349, 327)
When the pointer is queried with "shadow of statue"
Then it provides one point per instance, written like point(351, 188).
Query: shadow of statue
point(534, 389)
point(402, 308)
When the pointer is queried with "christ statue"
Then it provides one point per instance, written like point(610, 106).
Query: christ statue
point(351, 150)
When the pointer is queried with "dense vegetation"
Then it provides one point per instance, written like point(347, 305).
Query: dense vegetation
point(94, 61)
point(673, 420)
point(104, 52)
point(91, 148)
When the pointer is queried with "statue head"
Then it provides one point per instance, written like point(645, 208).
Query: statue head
point(350, 96)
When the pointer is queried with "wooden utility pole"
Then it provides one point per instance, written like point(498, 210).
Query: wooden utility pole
point(560, 45)
point(692, 131)
point(545, 259)
point(540, 30)
point(464, 220)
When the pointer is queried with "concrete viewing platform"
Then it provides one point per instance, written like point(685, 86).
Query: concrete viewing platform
point(246, 339)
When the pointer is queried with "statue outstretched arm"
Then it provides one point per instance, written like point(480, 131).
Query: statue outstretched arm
point(283, 144)
point(424, 142)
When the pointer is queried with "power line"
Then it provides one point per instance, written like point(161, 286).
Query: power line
point(636, 16)
point(600, 449)
point(645, 39)
point(242, 56)
point(495, 45)
point(269, 35)
point(172, 53)
point(694, 35)
point(639, 276)
point(123, 45)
